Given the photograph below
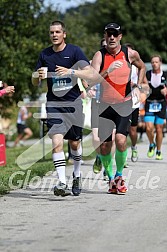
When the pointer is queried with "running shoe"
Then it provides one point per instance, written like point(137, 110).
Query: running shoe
point(159, 156)
point(134, 156)
point(120, 185)
point(61, 190)
point(70, 161)
point(112, 187)
point(151, 151)
point(97, 166)
point(22, 143)
point(105, 177)
point(76, 185)
point(126, 165)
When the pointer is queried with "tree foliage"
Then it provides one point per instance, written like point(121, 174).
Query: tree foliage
point(18, 44)
point(143, 23)
point(24, 33)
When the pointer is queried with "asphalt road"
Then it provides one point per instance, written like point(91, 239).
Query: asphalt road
point(33, 219)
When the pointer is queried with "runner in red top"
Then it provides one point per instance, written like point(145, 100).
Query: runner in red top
point(114, 63)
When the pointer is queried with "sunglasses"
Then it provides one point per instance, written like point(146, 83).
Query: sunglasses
point(115, 34)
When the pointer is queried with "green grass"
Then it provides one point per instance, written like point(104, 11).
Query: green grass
point(25, 163)
point(12, 173)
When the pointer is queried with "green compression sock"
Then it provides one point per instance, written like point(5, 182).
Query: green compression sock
point(120, 158)
point(107, 163)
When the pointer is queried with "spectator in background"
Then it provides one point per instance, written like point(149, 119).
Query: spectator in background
point(23, 131)
point(4, 90)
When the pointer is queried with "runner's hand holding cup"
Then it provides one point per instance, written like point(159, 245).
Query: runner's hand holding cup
point(42, 73)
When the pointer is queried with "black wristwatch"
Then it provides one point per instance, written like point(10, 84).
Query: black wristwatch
point(87, 88)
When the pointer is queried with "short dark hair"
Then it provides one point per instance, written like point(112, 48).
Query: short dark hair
point(58, 22)
point(156, 55)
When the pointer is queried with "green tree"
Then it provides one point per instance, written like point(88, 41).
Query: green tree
point(23, 34)
point(18, 43)
point(143, 23)
point(77, 33)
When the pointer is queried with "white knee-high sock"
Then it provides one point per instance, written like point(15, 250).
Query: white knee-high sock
point(77, 156)
point(60, 164)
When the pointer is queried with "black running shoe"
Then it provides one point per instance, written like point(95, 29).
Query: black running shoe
point(76, 185)
point(105, 177)
point(61, 190)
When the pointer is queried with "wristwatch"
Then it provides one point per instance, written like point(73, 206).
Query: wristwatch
point(72, 72)
point(87, 88)
point(137, 86)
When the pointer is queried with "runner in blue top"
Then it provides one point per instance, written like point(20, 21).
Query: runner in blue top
point(64, 104)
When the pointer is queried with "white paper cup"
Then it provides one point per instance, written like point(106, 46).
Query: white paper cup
point(45, 71)
point(1, 84)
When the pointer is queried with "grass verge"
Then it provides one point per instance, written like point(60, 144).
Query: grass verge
point(25, 163)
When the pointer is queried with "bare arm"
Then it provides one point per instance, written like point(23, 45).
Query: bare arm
point(96, 61)
point(135, 59)
point(84, 73)
point(7, 90)
point(96, 64)
point(38, 76)
point(25, 115)
point(35, 78)
point(90, 73)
